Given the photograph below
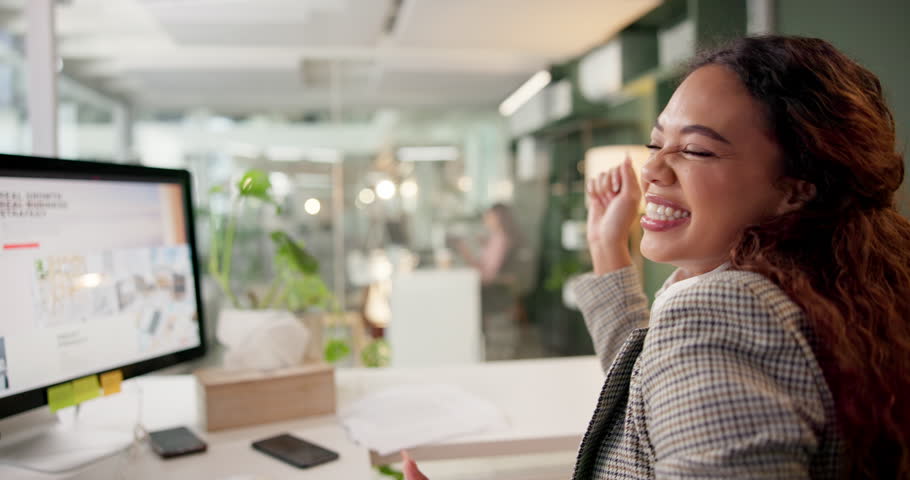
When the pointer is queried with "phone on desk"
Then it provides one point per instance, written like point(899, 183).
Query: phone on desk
point(174, 442)
point(295, 451)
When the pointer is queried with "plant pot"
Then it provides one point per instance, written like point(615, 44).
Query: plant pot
point(263, 339)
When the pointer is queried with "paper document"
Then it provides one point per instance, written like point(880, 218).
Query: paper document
point(411, 415)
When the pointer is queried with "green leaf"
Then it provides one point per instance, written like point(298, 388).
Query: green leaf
point(302, 291)
point(388, 471)
point(336, 349)
point(376, 354)
point(292, 256)
point(255, 183)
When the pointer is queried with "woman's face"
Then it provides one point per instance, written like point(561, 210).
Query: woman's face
point(715, 164)
point(491, 220)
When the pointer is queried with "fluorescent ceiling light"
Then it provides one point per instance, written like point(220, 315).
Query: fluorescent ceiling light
point(279, 153)
point(282, 153)
point(427, 154)
point(246, 150)
point(524, 93)
point(323, 155)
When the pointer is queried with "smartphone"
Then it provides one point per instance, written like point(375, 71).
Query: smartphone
point(295, 451)
point(174, 442)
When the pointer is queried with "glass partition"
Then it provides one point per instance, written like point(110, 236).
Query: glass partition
point(375, 201)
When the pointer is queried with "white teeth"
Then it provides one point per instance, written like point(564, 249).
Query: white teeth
point(664, 213)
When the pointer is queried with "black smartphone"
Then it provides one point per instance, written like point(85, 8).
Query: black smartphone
point(174, 442)
point(295, 451)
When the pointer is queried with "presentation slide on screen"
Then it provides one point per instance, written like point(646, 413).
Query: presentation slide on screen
point(96, 274)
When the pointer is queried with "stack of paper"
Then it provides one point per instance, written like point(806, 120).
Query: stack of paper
point(411, 415)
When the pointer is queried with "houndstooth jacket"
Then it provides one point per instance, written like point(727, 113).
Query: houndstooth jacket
point(723, 384)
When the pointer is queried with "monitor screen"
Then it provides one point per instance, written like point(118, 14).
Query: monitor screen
point(97, 272)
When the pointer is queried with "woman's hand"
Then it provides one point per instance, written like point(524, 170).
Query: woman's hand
point(613, 200)
point(410, 468)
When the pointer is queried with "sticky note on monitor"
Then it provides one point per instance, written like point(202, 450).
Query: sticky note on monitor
point(111, 381)
point(86, 388)
point(61, 396)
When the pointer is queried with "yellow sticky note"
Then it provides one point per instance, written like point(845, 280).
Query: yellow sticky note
point(61, 396)
point(86, 388)
point(110, 382)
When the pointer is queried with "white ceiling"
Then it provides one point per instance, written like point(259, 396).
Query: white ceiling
point(259, 55)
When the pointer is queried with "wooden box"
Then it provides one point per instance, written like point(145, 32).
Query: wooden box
point(237, 398)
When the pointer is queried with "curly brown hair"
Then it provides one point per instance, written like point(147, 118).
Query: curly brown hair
point(844, 257)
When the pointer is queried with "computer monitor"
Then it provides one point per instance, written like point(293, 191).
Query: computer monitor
point(98, 272)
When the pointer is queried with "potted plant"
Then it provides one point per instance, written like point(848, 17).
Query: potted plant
point(264, 330)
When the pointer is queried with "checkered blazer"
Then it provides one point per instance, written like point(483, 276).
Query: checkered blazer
point(724, 383)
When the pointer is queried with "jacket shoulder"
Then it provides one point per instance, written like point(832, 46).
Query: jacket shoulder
point(737, 292)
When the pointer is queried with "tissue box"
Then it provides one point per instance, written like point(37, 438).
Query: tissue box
point(238, 398)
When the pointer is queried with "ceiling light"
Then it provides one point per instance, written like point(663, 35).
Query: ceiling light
point(524, 93)
point(323, 155)
point(366, 196)
point(409, 188)
point(280, 153)
point(245, 150)
point(427, 154)
point(385, 189)
point(312, 206)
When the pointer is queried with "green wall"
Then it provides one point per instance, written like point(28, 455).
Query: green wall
point(873, 32)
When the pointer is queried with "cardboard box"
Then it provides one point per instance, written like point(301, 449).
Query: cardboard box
point(238, 398)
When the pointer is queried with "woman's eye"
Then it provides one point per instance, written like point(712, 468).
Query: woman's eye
point(697, 153)
point(652, 147)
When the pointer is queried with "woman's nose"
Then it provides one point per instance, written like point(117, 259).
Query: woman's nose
point(657, 171)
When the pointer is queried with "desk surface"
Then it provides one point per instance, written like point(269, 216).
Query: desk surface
point(548, 403)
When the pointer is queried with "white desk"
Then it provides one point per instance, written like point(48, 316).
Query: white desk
point(169, 401)
point(548, 403)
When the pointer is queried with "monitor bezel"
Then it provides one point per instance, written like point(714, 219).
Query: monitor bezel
point(44, 167)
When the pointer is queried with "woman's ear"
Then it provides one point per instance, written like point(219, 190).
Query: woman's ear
point(797, 193)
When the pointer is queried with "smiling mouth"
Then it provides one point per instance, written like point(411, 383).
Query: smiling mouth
point(660, 218)
point(663, 213)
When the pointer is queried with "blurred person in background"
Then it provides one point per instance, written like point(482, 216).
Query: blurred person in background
point(498, 265)
point(780, 347)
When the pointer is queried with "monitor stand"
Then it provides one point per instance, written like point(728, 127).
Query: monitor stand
point(36, 440)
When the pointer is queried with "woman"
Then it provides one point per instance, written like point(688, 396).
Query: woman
point(499, 270)
point(498, 251)
point(780, 347)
